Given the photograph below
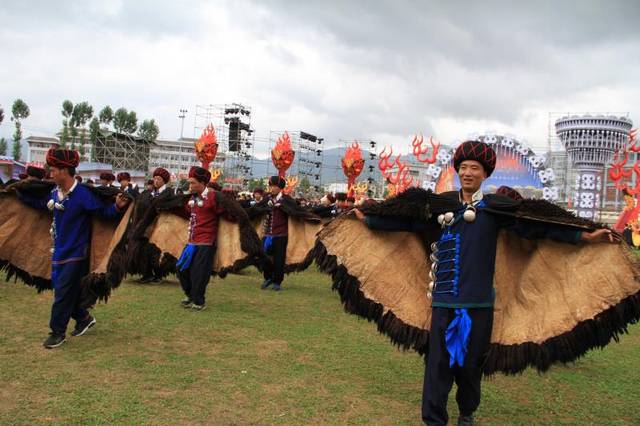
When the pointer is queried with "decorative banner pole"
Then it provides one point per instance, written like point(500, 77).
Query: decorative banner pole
point(352, 165)
point(207, 146)
point(282, 154)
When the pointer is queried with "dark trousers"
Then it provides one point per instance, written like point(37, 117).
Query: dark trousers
point(439, 377)
point(274, 270)
point(195, 278)
point(66, 286)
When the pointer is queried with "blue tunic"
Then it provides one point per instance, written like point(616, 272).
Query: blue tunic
point(71, 226)
point(466, 252)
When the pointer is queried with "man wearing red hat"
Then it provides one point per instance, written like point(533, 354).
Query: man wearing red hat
point(124, 179)
point(72, 206)
point(196, 261)
point(161, 178)
point(463, 263)
point(35, 173)
point(327, 207)
point(160, 190)
point(106, 179)
point(276, 231)
point(258, 196)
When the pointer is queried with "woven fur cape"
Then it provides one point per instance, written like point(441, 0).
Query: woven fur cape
point(163, 230)
point(142, 257)
point(554, 301)
point(25, 242)
point(303, 227)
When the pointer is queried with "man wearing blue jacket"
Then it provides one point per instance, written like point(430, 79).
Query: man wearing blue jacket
point(461, 289)
point(72, 205)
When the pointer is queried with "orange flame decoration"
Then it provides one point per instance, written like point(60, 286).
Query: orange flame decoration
point(621, 176)
point(352, 165)
point(282, 154)
point(633, 134)
point(400, 179)
point(292, 182)
point(418, 150)
point(359, 190)
point(207, 146)
point(617, 173)
point(215, 174)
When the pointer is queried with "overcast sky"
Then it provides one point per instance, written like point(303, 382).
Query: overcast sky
point(361, 69)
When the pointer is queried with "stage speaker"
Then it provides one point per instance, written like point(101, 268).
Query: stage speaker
point(234, 136)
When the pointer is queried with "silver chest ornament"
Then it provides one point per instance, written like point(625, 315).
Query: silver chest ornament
point(193, 203)
point(446, 219)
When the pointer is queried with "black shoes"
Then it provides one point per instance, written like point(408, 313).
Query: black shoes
point(465, 420)
point(149, 279)
point(54, 340)
point(187, 303)
point(276, 287)
point(265, 284)
point(83, 326)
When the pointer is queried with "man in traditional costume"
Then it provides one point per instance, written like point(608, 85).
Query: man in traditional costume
point(258, 195)
point(196, 262)
point(276, 234)
point(35, 173)
point(72, 205)
point(279, 207)
point(327, 207)
point(124, 179)
point(107, 178)
point(143, 258)
point(456, 331)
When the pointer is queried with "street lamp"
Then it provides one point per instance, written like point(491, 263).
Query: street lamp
point(182, 115)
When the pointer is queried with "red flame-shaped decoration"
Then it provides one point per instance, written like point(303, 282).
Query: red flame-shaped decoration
point(282, 154)
point(207, 146)
point(352, 165)
point(396, 172)
point(620, 173)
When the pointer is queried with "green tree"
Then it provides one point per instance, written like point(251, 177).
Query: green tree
point(64, 135)
point(94, 133)
point(82, 112)
point(106, 115)
point(19, 111)
point(120, 120)
point(304, 184)
point(255, 183)
point(67, 111)
point(149, 130)
point(132, 123)
point(3, 146)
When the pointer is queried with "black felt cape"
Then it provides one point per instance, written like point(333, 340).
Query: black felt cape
point(552, 305)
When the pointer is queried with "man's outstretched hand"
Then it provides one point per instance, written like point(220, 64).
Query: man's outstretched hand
point(601, 236)
point(122, 201)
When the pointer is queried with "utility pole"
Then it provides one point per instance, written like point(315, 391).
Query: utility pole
point(182, 115)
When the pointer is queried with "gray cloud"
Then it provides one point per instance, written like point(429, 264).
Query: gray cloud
point(337, 69)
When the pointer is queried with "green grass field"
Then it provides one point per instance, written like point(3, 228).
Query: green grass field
point(261, 357)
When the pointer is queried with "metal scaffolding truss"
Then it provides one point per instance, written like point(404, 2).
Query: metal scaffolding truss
point(122, 151)
point(235, 137)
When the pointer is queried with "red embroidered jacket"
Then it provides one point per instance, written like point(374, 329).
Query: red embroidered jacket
point(205, 215)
